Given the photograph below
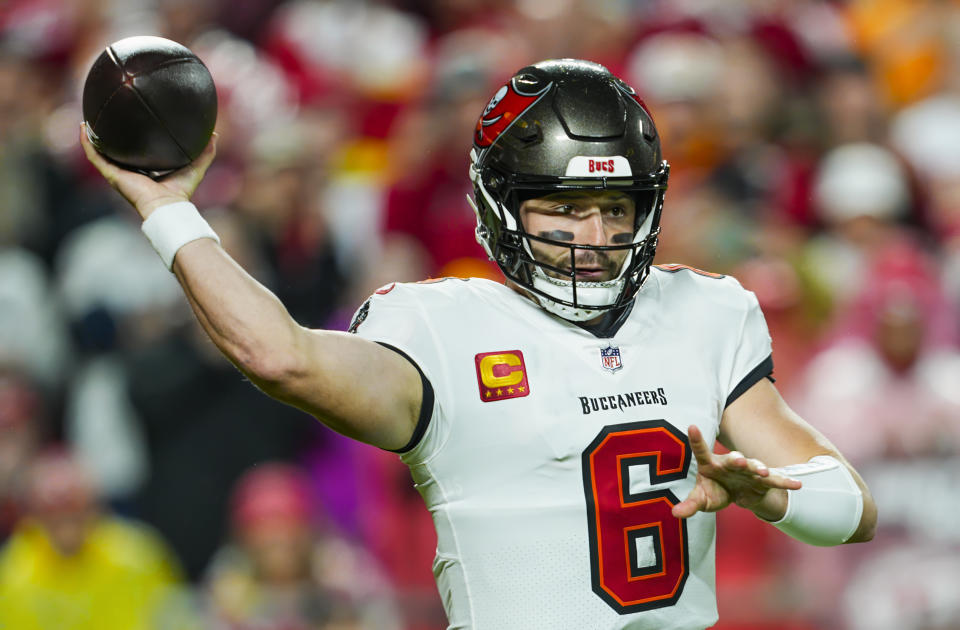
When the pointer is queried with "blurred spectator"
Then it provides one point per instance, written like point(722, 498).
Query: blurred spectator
point(908, 42)
point(796, 307)
point(115, 298)
point(33, 335)
point(883, 596)
point(428, 226)
point(204, 424)
point(184, 20)
point(599, 30)
point(17, 223)
point(853, 109)
point(926, 133)
point(367, 47)
point(279, 204)
point(69, 565)
point(42, 198)
point(885, 391)
point(285, 568)
point(253, 91)
point(21, 433)
point(894, 358)
point(863, 196)
point(678, 75)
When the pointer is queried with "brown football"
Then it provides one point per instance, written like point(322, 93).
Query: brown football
point(150, 104)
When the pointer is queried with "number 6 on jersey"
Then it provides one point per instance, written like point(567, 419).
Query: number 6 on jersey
point(638, 550)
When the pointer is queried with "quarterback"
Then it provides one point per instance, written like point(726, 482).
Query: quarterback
point(560, 425)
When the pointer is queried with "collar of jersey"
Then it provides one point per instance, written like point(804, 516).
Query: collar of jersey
point(633, 315)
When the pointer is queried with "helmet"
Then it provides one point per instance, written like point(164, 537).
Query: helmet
point(563, 125)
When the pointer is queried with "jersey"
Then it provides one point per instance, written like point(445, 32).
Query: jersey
point(551, 458)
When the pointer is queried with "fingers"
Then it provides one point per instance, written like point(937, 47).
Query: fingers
point(186, 180)
point(119, 178)
point(756, 471)
point(735, 461)
point(142, 192)
point(203, 161)
point(694, 503)
point(776, 480)
point(108, 170)
point(758, 467)
point(700, 449)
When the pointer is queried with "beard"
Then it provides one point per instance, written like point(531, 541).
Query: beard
point(592, 265)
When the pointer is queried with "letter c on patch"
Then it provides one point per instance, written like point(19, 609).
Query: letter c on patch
point(501, 370)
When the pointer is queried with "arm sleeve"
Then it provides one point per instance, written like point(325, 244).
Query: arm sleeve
point(753, 353)
point(396, 321)
point(426, 404)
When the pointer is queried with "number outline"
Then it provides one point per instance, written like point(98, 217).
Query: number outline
point(652, 461)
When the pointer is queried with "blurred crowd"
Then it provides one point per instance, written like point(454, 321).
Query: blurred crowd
point(815, 152)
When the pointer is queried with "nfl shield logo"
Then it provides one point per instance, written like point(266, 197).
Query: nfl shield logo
point(610, 358)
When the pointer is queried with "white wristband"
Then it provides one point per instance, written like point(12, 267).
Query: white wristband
point(827, 509)
point(172, 226)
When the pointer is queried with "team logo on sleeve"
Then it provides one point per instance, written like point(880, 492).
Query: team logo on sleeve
point(610, 358)
point(501, 375)
point(359, 317)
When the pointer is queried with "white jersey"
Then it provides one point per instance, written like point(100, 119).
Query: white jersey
point(552, 457)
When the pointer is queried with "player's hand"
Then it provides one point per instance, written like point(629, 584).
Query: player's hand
point(733, 478)
point(144, 193)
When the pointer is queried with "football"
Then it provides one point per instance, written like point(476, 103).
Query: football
point(150, 104)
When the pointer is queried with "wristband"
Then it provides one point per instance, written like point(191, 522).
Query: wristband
point(827, 509)
point(170, 227)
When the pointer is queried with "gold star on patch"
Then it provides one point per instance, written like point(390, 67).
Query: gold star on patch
point(501, 375)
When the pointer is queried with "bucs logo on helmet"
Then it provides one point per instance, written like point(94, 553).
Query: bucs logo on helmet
point(505, 107)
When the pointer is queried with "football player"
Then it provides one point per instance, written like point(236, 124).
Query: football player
point(559, 426)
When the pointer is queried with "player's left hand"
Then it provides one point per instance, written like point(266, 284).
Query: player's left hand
point(733, 478)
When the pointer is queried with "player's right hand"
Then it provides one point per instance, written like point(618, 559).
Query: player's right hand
point(144, 193)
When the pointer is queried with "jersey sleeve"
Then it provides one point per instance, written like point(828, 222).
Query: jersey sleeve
point(752, 355)
point(395, 320)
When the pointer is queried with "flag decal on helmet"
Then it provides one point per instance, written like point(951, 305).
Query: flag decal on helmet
point(610, 358)
point(502, 111)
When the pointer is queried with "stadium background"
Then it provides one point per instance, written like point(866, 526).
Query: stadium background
point(815, 149)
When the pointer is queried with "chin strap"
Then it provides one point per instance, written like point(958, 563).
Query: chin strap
point(589, 293)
